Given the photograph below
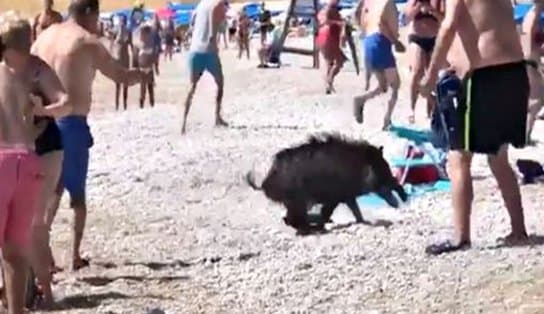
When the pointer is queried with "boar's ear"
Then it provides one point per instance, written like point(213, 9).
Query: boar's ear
point(381, 149)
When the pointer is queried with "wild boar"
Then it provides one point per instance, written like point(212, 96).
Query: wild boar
point(328, 169)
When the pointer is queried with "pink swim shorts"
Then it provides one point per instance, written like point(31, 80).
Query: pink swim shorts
point(20, 186)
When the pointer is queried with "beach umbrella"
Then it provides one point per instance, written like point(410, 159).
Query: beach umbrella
point(180, 6)
point(165, 13)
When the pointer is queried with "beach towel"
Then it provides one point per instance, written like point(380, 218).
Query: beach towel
point(414, 191)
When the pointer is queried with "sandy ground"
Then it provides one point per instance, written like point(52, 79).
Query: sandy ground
point(172, 225)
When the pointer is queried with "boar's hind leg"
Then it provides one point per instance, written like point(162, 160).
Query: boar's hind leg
point(352, 204)
point(297, 214)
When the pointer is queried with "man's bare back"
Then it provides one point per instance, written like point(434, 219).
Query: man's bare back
point(486, 34)
point(16, 124)
point(380, 17)
point(75, 59)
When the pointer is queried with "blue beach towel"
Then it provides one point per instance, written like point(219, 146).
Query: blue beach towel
point(414, 191)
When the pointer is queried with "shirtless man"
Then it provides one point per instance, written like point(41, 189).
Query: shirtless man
point(45, 18)
point(380, 24)
point(21, 171)
point(121, 44)
point(75, 60)
point(480, 41)
point(532, 39)
point(203, 54)
point(331, 29)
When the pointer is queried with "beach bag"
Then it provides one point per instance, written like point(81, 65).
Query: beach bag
point(444, 116)
point(417, 174)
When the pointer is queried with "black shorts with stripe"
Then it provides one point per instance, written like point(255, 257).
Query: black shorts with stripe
point(491, 110)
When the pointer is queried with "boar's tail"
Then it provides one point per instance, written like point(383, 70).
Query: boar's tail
point(250, 179)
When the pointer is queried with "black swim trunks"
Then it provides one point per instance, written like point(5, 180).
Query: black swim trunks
point(425, 43)
point(50, 140)
point(491, 110)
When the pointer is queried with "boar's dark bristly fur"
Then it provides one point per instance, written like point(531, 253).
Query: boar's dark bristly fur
point(328, 170)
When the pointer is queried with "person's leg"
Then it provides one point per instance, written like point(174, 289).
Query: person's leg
point(339, 61)
point(216, 69)
point(393, 80)
point(18, 231)
point(117, 91)
point(196, 68)
point(359, 101)
point(15, 270)
point(536, 98)
point(125, 97)
point(417, 63)
point(246, 43)
point(41, 256)
point(142, 94)
point(151, 90)
point(509, 187)
point(77, 140)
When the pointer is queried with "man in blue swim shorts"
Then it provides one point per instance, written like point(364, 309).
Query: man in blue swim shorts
point(75, 60)
point(203, 53)
point(379, 21)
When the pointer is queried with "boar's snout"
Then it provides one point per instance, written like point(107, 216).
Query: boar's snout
point(401, 192)
point(387, 194)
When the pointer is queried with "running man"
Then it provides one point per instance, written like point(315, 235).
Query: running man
point(203, 54)
point(481, 43)
point(45, 18)
point(76, 58)
point(532, 39)
point(380, 24)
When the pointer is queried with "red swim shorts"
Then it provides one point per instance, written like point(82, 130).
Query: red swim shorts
point(20, 186)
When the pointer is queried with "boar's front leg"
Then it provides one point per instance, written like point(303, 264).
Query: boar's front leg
point(354, 207)
point(326, 213)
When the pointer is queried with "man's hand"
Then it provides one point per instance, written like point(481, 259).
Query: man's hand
point(38, 108)
point(428, 84)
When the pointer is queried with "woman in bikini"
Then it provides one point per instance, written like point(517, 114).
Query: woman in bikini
point(532, 40)
point(425, 17)
point(331, 26)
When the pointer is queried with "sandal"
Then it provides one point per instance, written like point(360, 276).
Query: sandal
point(446, 247)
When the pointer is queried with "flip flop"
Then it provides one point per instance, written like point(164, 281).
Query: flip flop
point(358, 106)
point(446, 247)
point(81, 263)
